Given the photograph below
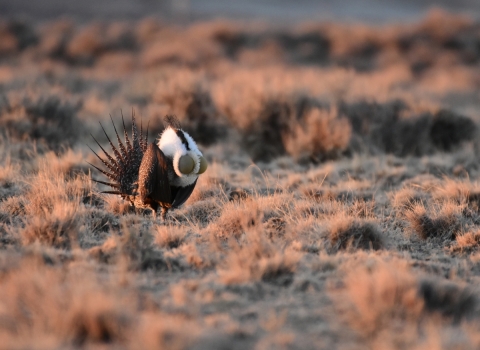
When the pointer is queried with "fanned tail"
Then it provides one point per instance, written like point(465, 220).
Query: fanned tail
point(110, 176)
point(136, 141)
point(146, 137)
point(127, 140)
point(120, 144)
point(113, 192)
point(106, 183)
point(143, 140)
point(123, 165)
point(111, 167)
point(117, 154)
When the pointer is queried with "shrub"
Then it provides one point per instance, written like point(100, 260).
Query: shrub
point(52, 207)
point(467, 242)
point(443, 223)
point(192, 104)
point(254, 259)
point(323, 135)
point(262, 138)
point(297, 125)
point(385, 128)
point(349, 233)
point(48, 118)
point(58, 228)
point(170, 236)
point(60, 307)
point(449, 130)
point(448, 299)
point(378, 296)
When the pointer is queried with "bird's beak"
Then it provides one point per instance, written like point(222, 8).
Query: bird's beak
point(186, 164)
point(203, 165)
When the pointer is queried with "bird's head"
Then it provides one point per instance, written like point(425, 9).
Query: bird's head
point(188, 161)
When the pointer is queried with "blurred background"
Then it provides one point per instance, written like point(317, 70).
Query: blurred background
point(374, 11)
point(291, 67)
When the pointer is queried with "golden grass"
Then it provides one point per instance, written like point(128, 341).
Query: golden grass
point(468, 240)
point(379, 296)
point(57, 227)
point(443, 221)
point(254, 259)
point(49, 308)
point(9, 172)
point(323, 135)
point(346, 232)
point(332, 148)
point(170, 236)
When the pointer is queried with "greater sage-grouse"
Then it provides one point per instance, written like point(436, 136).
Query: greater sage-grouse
point(161, 175)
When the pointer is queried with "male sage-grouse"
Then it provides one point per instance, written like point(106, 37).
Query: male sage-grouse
point(153, 176)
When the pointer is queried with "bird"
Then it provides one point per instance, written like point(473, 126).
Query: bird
point(156, 175)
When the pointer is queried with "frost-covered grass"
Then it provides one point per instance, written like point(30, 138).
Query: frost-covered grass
point(341, 207)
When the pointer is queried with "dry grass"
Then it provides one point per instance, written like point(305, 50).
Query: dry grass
point(323, 136)
point(349, 232)
point(50, 308)
point(469, 239)
point(332, 148)
point(406, 199)
point(255, 259)
point(57, 228)
point(380, 296)
point(170, 236)
point(443, 222)
point(391, 306)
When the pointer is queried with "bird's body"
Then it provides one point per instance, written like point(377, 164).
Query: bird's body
point(153, 176)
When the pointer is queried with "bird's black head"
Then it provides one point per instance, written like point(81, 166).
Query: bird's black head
point(172, 121)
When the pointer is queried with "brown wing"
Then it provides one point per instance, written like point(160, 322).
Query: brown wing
point(153, 184)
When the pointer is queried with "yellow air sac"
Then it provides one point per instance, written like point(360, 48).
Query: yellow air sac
point(186, 164)
point(203, 165)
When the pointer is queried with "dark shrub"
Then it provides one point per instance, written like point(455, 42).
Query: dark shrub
point(345, 233)
point(48, 118)
point(449, 299)
point(450, 130)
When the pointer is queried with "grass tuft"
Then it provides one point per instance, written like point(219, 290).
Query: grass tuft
point(349, 233)
point(169, 236)
point(444, 224)
point(48, 118)
point(58, 228)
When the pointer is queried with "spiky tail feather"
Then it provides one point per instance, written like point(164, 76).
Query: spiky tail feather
point(123, 165)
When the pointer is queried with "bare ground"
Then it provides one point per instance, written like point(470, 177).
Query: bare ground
point(341, 208)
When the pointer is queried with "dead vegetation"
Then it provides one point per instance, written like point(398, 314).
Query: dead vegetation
point(348, 232)
point(443, 222)
point(389, 306)
point(341, 208)
point(378, 297)
point(48, 119)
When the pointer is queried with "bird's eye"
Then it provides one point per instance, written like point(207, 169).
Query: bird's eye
point(186, 164)
point(203, 165)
